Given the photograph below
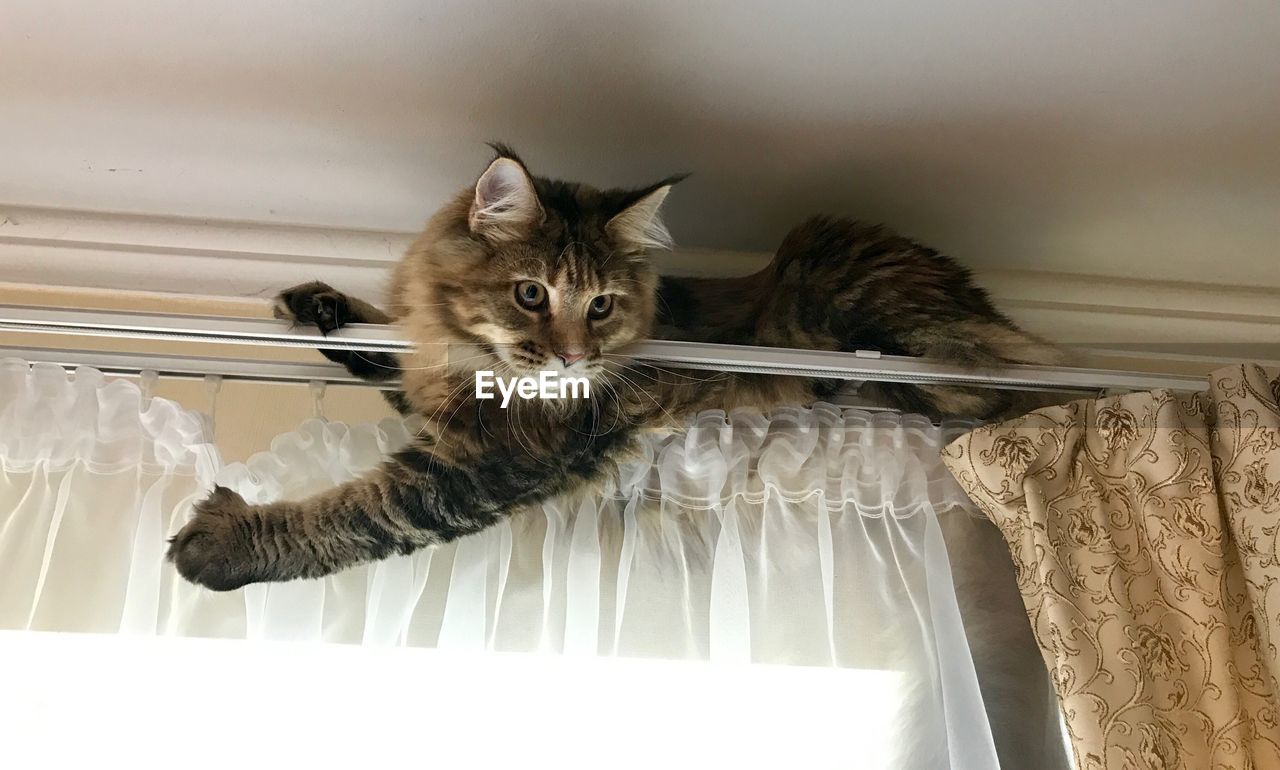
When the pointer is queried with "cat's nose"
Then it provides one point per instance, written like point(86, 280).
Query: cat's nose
point(570, 358)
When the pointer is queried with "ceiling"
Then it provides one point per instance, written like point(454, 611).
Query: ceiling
point(1139, 138)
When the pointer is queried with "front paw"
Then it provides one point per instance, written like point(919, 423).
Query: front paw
point(313, 304)
point(209, 549)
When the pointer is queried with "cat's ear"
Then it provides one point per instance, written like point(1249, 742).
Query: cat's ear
point(640, 224)
point(506, 206)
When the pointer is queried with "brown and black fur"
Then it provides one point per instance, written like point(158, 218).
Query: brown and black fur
point(834, 285)
point(838, 284)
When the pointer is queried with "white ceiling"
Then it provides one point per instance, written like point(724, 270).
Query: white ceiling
point(1136, 138)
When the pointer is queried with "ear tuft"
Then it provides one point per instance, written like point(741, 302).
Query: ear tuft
point(506, 204)
point(640, 226)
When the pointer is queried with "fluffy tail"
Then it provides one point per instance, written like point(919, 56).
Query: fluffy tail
point(977, 345)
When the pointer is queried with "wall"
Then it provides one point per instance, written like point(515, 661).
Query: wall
point(1135, 139)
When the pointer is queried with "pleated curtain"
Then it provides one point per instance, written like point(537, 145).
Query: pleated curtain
point(807, 537)
point(1144, 531)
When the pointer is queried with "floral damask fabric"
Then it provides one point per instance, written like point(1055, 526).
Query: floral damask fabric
point(1144, 532)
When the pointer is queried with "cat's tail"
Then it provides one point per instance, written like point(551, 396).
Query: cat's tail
point(977, 345)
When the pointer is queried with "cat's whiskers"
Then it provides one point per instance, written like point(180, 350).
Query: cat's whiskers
point(608, 257)
point(449, 395)
point(565, 250)
point(647, 395)
point(619, 413)
point(629, 363)
point(595, 414)
point(516, 428)
point(525, 441)
point(444, 429)
point(531, 266)
point(432, 420)
point(513, 429)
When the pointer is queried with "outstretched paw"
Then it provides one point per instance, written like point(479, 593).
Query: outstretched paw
point(209, 549)
point(313, 304)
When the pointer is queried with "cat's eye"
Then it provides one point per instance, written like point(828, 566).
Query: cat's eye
point(600, 307)
point(531, 295)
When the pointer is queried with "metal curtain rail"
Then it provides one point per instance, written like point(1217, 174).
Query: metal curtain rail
point(244, 369)
point(195, 328)
point(192, 367)
point(859, 365)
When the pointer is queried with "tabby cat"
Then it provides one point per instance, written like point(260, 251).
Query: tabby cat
point(531, 274)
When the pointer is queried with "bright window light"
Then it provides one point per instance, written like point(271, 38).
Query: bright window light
point(107, 701)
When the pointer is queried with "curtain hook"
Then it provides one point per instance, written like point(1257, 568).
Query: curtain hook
point(318, 388)
point(146, 383)
point(212, 386)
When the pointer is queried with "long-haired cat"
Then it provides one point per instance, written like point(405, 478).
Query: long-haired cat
point(528, 274)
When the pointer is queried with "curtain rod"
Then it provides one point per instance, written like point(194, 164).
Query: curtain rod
point(192, 367)
point(861, 365)
point(247, 370)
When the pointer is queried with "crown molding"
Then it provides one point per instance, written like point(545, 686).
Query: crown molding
point(225, 261)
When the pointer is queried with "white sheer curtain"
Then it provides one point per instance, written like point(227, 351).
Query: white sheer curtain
point(807, 537)
point(91, 478)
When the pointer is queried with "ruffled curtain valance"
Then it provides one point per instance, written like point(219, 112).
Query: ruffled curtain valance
point(809, 536)
point(91, 477)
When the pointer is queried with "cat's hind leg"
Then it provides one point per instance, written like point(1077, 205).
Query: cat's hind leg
point(320, 305)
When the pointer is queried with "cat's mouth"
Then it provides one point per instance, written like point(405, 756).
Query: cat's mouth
point(526, 360)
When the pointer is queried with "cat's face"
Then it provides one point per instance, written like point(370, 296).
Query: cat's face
point(566, 309)
point(547, 275)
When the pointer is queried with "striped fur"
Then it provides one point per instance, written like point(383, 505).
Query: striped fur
point(834, 285)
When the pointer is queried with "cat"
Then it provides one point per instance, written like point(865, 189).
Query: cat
point(528, 274)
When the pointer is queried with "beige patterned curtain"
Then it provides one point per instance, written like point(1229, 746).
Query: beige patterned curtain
point(1144, 530)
